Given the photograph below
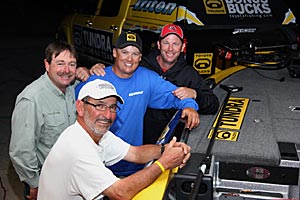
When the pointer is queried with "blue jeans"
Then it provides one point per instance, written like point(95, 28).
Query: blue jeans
point(26, 190)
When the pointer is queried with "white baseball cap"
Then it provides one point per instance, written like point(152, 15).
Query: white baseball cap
point(97, 89)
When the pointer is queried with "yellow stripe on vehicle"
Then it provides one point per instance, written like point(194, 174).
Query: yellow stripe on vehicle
point(232, 119)
point(157, 189)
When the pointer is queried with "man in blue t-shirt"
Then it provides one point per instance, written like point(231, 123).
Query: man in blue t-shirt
point(140, 88)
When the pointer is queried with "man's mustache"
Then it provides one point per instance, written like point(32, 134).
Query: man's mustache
point(104, 120)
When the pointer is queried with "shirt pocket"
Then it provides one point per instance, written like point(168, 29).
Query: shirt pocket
point(54, 125)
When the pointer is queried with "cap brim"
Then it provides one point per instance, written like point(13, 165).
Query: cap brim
point(129, 44)
point(162, 37)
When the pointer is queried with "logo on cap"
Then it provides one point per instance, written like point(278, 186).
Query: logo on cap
point(106, 86)
point(130, 37)
point(171, 29)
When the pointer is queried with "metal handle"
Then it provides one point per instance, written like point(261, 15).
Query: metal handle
point(89, 23)
point(114, 27)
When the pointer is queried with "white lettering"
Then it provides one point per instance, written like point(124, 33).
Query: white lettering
point(249, 7)
point(231, 8)
point(135, 93)
point(97, 41)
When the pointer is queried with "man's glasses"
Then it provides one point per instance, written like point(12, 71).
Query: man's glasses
point(103, 107)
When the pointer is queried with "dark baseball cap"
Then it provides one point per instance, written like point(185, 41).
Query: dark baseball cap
point(129, 39)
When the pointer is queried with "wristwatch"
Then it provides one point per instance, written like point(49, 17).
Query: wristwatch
point(162, 148)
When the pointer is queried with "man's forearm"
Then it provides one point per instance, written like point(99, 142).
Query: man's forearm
point(145, 153)
point(128, 187)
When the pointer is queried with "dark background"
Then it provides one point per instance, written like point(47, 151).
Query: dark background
point(42, 17)
point(28, 17)
point(31, 18)
point(26, 27)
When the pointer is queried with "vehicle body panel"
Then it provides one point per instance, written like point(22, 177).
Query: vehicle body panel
point(259, 34)
point(256, 122)
point(233, 23)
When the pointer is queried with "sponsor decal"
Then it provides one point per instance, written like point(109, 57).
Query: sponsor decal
point(239, 8)
point(136, 93)
point(214, 6)
point(94, 42)
point(248, 7)
point(232, 119)
point(203, 62)
point(234, 9)
point(164, 8)
point(243, 30)
point(157, 7)
point(258, 173)
point(225, 135)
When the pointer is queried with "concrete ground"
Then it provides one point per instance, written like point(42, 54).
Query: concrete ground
point(21, 61)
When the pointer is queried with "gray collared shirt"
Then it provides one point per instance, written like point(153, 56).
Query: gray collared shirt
point(40, 115)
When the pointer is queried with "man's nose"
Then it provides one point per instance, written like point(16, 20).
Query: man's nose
point(66, 68)
point(130, 56)
point(107, 113)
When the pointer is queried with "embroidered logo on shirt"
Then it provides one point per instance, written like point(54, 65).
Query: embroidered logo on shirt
point(54, 113)
point(136, 93)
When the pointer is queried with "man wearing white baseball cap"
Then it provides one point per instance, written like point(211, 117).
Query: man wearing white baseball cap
point(98, 89)
point(76, 167)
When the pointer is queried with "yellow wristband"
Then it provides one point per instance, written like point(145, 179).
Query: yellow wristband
point(160, 166)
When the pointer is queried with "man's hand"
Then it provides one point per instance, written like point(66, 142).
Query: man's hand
point(33, 194)
point(186, 150)
point(82, 73)
point(175, 154)
point(98, 69)
point(184, 92)
point(192, 118)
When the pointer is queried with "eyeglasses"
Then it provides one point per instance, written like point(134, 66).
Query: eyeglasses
point(103, 107)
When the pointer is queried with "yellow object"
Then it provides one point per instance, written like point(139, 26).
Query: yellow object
point(232, 119)
point(221, 75)
point(156, 190)
point(160, 166)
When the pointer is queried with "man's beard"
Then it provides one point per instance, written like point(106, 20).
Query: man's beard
point(92, 125)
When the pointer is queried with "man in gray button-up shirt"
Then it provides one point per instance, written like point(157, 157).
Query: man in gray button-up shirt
point(42, 111)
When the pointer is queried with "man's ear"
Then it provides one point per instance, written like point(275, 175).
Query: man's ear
point(114, 52)
point(79, 107)
point(47, 65)
point(158, 45)
point(183, 46)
